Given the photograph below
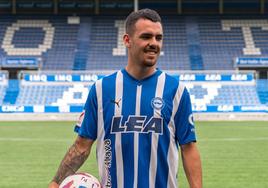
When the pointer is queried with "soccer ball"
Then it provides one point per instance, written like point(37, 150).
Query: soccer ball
point(80, 180)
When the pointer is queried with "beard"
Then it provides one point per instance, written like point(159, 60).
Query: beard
point(149, 62)
point(151, 54)
point(150, 59)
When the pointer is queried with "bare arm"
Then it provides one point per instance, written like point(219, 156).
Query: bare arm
point(192, 164)
point(73, 160)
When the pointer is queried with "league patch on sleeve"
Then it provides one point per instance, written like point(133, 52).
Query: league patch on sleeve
point(191, 119)
point(80, 119)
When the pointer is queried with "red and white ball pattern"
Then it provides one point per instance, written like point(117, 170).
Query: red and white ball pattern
point(80, 180)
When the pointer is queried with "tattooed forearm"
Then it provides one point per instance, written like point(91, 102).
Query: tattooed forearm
point(70, 163)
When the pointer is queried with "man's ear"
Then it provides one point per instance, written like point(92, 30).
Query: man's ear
point(126, 40)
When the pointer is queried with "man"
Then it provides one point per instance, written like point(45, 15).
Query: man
point(139, 117)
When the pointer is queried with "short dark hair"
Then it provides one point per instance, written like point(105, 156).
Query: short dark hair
point(136, 15)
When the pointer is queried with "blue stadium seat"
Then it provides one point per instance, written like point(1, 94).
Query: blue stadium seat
point(262, 89)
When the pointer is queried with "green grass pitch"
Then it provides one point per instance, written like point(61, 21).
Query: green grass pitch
point(234, 154)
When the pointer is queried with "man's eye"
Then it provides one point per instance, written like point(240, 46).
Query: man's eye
point(145, 37)
point(159, 38)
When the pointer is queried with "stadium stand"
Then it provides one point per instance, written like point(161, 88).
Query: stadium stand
point(52, 94)
point(224, 39)
point(221, 94)
point(191, 43)
point(94, 43)
point(235, 95)
point(67, 91)
point(50, 39)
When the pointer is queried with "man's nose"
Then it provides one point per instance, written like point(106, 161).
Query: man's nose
point(153, 41)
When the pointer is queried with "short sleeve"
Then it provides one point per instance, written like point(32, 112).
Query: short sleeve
point(185, 130)
point(87, 124)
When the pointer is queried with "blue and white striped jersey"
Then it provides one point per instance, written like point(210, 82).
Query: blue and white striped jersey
point(138, 126)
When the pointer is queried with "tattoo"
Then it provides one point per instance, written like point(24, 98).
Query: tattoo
point(71, 162)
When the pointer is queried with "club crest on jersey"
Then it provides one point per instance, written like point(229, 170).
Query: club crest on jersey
point(137, 124)
point(157, 103)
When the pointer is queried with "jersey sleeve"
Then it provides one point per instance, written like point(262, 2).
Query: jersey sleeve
point(185, 130)
point(87, 124)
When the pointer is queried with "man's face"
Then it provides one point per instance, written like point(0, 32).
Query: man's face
point(145, 43)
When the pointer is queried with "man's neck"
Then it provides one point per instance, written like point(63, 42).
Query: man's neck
point(140, 73)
